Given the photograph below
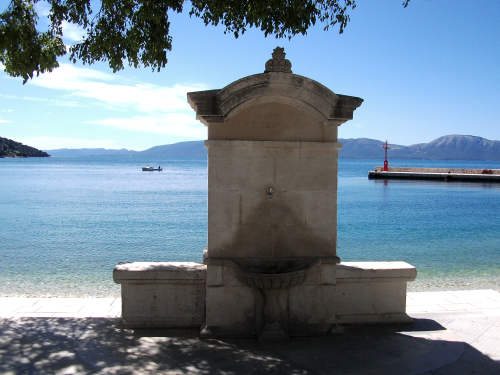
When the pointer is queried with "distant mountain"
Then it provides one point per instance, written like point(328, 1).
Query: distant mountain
point(449, 147)
point(86, 152)
point(454, 147)
point(362, 148)
point(193, 149)
point(13, 149)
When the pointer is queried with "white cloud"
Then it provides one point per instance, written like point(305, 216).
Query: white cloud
point(70, 31)
point(68, 77)
point(3, 121)
point(42, 8)
point(165, 109)
point(176, 124)
point(51, 143)
point(93, 84)
point(64, 103)
point(73, 32)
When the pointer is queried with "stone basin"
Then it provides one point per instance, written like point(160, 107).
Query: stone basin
point(271, 284)
point(277, 281)
point(275, 275)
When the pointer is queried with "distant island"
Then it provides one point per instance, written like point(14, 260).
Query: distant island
point(448, 147)
point(12, 149)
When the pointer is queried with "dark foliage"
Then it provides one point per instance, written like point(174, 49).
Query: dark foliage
point(137, 31)
point(12, 149)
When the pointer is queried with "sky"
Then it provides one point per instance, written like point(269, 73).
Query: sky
point(429, 70)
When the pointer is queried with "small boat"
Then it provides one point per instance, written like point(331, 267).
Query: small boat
point(150, 168)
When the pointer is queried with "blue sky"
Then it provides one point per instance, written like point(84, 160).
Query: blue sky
point(426, 71)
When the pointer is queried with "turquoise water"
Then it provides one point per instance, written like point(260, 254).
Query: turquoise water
point(66, 222)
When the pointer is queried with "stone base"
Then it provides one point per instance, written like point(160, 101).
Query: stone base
point(309, 330)
point(373, 292)
point(162, 294)
point(236, 309)
point(273, 336)
point(164, 322)
point(212, 332)
point(174, 295)
point(374, 319)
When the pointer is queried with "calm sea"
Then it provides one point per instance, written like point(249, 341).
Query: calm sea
point(66, 222)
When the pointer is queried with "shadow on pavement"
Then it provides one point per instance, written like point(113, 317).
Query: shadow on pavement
point(97, 346)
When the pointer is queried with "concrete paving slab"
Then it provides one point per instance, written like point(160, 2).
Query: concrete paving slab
point(360, 350)
point(486, 305)
point(459, 307)
point(494, 296)
point(18, 304)
point(467, 368)
point(476, 295)
point(59, 309)
point(7, 315)
point(46, 307)
point(12, 304)
point(33, 315)
point(69, 315)
point(434, 297)
point(425, 308)
point(445, 340)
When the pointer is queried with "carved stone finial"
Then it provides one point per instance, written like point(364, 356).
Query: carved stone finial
point(278, 63)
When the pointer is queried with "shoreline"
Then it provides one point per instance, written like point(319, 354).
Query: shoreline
point(449, 287)
point(423, 283)
point(106, 288)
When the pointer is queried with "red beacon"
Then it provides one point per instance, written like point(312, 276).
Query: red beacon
point(386, 162)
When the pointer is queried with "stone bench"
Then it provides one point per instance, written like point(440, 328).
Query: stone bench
point(373, 292)
point(172, 294)
point(162, 294)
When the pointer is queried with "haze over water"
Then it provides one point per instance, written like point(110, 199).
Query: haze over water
point(66, 222)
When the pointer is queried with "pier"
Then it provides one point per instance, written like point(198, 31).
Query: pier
point(439, 174)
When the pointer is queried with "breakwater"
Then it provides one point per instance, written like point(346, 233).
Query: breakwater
point(443, 174)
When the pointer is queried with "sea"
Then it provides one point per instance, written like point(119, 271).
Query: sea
point(65, 223)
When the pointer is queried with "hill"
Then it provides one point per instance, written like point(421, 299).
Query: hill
point(86, 152)
point(12, 149)
point(456, 147)
point(448, 147)
point(192, 149)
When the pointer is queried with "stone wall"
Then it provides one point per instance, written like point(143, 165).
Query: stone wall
point(300, 220)
point(173, 295)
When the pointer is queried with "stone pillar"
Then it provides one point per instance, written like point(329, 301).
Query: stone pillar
point(272, 203)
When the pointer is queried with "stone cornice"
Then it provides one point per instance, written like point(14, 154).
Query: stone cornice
point(217, 106)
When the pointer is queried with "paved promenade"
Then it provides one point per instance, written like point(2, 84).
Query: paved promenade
point(453, 333)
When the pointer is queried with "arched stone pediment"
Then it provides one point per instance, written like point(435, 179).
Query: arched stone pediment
point(219, 106)
point(289, 89)
point(273, 106)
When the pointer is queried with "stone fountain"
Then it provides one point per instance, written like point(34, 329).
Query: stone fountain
point(271, 268)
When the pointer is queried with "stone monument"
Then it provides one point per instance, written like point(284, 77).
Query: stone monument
point(270, 269)
point(272, 202)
